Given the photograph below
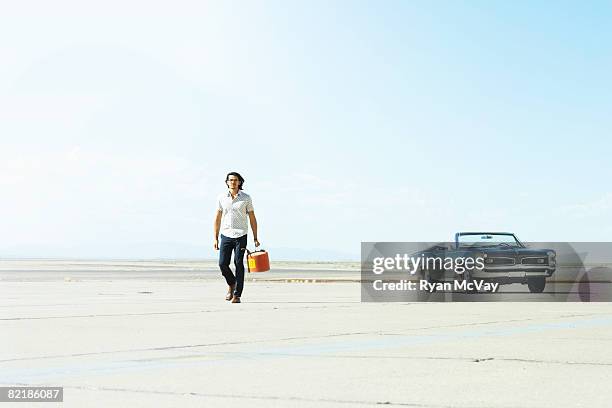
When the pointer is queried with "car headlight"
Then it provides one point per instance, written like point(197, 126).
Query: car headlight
point(552, 258)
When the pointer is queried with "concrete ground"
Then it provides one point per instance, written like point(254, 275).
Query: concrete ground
point(169, 339)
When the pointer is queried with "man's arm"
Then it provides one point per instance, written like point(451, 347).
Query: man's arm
point(217, 227)
point(253, 221)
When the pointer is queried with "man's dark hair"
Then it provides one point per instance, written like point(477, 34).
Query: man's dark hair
point(240, 178)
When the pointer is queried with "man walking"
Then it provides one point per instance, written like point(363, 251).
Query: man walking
point(233, 208)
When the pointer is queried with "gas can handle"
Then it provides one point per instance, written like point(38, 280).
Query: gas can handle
point(252, 252)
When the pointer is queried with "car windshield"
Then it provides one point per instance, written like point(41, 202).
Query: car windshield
point(488, 240)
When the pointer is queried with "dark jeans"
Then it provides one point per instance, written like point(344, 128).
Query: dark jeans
point(226, 247)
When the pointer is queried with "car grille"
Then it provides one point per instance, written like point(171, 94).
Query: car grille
point(499, 261)
point(535, 260)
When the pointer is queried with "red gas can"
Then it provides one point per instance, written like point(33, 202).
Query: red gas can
point(258, 261)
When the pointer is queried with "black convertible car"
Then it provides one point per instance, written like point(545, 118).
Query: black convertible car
point(505, 259)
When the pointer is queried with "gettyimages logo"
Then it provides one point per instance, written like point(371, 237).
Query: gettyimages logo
point(413, 264)
point(460, 265)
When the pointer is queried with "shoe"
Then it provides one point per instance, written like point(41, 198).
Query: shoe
point(236, 299)
point(230, 292)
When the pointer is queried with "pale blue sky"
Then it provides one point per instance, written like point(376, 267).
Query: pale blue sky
point(351, 121)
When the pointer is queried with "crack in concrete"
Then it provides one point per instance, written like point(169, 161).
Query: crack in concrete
point(263, 397)
point(182, 347)
point(161, 313)
point(526, 360)
point(266, 340)
point(374, 357)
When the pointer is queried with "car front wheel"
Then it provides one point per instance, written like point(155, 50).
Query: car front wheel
point(536, 285)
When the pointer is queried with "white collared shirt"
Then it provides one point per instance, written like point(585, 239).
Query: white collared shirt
point(234, 221)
